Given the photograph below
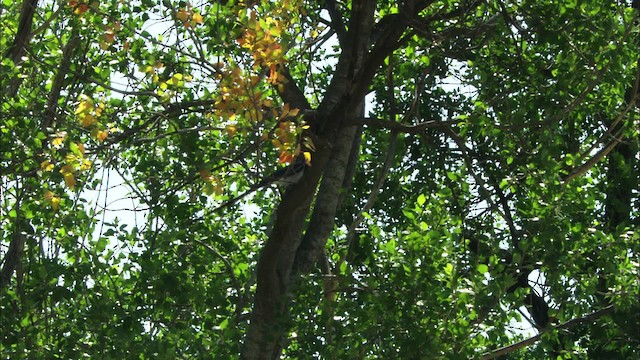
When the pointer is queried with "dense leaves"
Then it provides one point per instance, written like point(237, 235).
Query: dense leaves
point(470, 187)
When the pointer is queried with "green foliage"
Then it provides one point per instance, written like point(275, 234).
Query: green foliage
point(125, 125)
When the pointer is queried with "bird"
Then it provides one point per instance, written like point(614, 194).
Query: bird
point(282, 177)
point(285, 176)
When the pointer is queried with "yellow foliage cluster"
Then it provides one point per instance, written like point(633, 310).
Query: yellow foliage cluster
point(74, 161)
point(52, 199)
point(240, 98)
point(189, 17)
point(71, 164)
point(261, 40)
point(88, 113)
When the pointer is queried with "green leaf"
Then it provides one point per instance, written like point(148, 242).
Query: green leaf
point(482, 268)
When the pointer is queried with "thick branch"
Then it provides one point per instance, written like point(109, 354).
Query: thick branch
point(323, 217)
point(337, 97)
point(582, 169)
point(337, 23)
point(276, 262)
point(13, 256)
point(56, 86)
point(18, 48)
point(291, 93)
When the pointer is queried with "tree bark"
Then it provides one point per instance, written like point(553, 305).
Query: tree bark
point(327, 201)
point(18, 47)
point(341, 105)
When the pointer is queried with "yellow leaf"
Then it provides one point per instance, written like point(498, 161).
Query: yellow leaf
point(276, 30)
point(99, 109)
point(294, 112)
point(231, 130)
point(86, 164)
point(109, 36)
point(285, 111)
point(197, 18)
point(307, 158)
point(88, 120)
point(285, 157)
point(57, 142)
point(70, 180)
point(81, 9)
point(81, 148)
point(213, 187)
point(182, 15)
point(205, 174)
point(67, 169)
point(102, 135)
point(52, 199)
point(55, 203)
point(46, 165)
point(84, 106)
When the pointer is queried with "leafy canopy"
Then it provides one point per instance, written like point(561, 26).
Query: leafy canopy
point(477, 162)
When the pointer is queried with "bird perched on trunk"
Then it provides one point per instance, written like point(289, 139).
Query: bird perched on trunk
point(285, 176)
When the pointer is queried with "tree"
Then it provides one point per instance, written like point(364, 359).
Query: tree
point(470, 168)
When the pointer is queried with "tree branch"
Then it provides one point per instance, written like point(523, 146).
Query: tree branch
point(337, 23)
point(526, 342)
point(56, 87)
point(291, 93)
point(19, 46)
point(230, 271)
point(617, 138)
point(375, 123)
point(323, 217)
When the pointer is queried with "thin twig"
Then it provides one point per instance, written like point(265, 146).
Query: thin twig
point(228, 266)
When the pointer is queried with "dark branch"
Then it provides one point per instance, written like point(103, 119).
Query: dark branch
point(337, 23)
point(376, 123)
point(291, 93)
point(526, 342)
